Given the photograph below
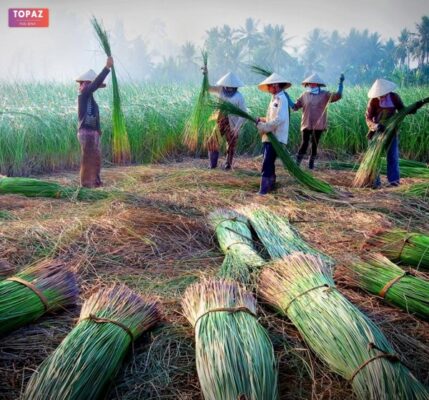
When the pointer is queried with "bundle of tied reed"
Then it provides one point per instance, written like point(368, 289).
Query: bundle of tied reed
point(300, 175)
point(398, 245)
point(199, 127)
point(301, 287)
point(89, 357)
point(241, 260)
point(278, 236)
point(37, 188)
point(234, 355)
point(377, 274)
point(36, 290)
point(369, 168)
point(121, 151)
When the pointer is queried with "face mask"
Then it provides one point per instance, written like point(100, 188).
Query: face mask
point(314, 90)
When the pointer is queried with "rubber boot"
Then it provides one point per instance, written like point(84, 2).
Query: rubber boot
point(213, 156)
point(272, 182)
point(299, 158)
point(311, 163)
point(265, 186)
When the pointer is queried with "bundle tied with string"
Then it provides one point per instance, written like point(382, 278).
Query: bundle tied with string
point(398, 245)
point(234, 354)
point(378, 275)
point(44, 287)
point(233, 233)
point(90, 355)
point(305, 178)
point(301, 287)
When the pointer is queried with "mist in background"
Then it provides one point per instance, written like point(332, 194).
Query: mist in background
point(161, 40)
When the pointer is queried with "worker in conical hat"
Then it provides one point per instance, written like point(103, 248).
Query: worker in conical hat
point(226, 88)
point(89, 131)
point(276, 121)
point(314, 102)
point(383, 103)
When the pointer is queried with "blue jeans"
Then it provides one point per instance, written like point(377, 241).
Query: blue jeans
point(392, 159)
point(269, 163)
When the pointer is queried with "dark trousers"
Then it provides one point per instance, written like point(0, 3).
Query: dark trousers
point(308, 134)
point(269, 163)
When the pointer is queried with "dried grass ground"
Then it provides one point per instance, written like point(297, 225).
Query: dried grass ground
point(155, 237)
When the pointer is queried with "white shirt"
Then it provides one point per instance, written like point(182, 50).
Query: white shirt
point(237, 100)
point(277, 119)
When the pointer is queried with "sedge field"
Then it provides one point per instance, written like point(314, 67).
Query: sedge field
point(157, 240)
point(38, 124)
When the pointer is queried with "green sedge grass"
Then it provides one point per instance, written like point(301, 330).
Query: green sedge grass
point(89, 357)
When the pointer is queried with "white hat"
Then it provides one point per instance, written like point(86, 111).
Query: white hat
point(88, 76)
point(313, 78)
point(381, 87)
point(273, 78)
point(230, 80)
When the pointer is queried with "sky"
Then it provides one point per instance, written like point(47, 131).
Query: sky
point(67, 47)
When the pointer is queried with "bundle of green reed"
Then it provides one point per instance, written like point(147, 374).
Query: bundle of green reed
point(378, 275)
point(398, 245)
point(260, 70)
point(241, 260)
point(301, 176)
point(37, 188)
point(121, 151)
point(278, 236)
point(90, 355)
point(234, 354)
point(416, 190)
point(369, 168)
point(38, 289)
point(301, 287)
point(199, 126)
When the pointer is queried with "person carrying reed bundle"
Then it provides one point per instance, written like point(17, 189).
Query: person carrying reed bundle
point(226, 89)
point(89, 132)
point(383, 104)
point(314, 103)
point(276, 122)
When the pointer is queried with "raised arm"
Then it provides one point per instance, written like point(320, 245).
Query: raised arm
point(98, 81)
point(211, 89)
point(339, 94)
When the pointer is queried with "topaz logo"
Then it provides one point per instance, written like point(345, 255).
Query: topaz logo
point(28, 17)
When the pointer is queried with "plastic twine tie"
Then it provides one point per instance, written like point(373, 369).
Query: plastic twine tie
point(233, 219)
point(99, 320)
point(389, 284)
point(306, 292)
point(231, 310)
point(33, 288)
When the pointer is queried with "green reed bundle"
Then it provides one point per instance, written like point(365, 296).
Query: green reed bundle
point(37, 188)
point(278, 236)
point(380, 276)
point(36, 290)
point(398, 245)
point(199, 127)
point(234, 354)
point(416, 190)
point(369, 168)
point(300, 175)
point(121, 151)
point(300, 287)
point(90, 355)
point(235, 239)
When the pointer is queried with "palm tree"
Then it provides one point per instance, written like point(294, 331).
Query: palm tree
point(273, 46)
point(422, 42)
point(315, 51)
point(188, 53)
point(403, 49)
point(249, 37)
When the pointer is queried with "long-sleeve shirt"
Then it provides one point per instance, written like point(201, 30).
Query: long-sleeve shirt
point(237, 99)
point(314, 109)
point(85, 96)
point(375, 112)
point(277, 119)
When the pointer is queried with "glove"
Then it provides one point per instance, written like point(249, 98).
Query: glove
point(370, 135)
point(342, 78)
point(381, 128)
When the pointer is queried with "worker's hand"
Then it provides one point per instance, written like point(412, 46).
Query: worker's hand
point(109, 62)
point(381, 128)
point(261, 119)
point(370, 135)
point(204, 70)
point(342, 78)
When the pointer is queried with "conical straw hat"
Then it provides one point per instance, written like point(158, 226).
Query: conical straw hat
point(230, 80)
point(314, 78)
point(273, 78)
point(88, 76)
point(381, 87)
